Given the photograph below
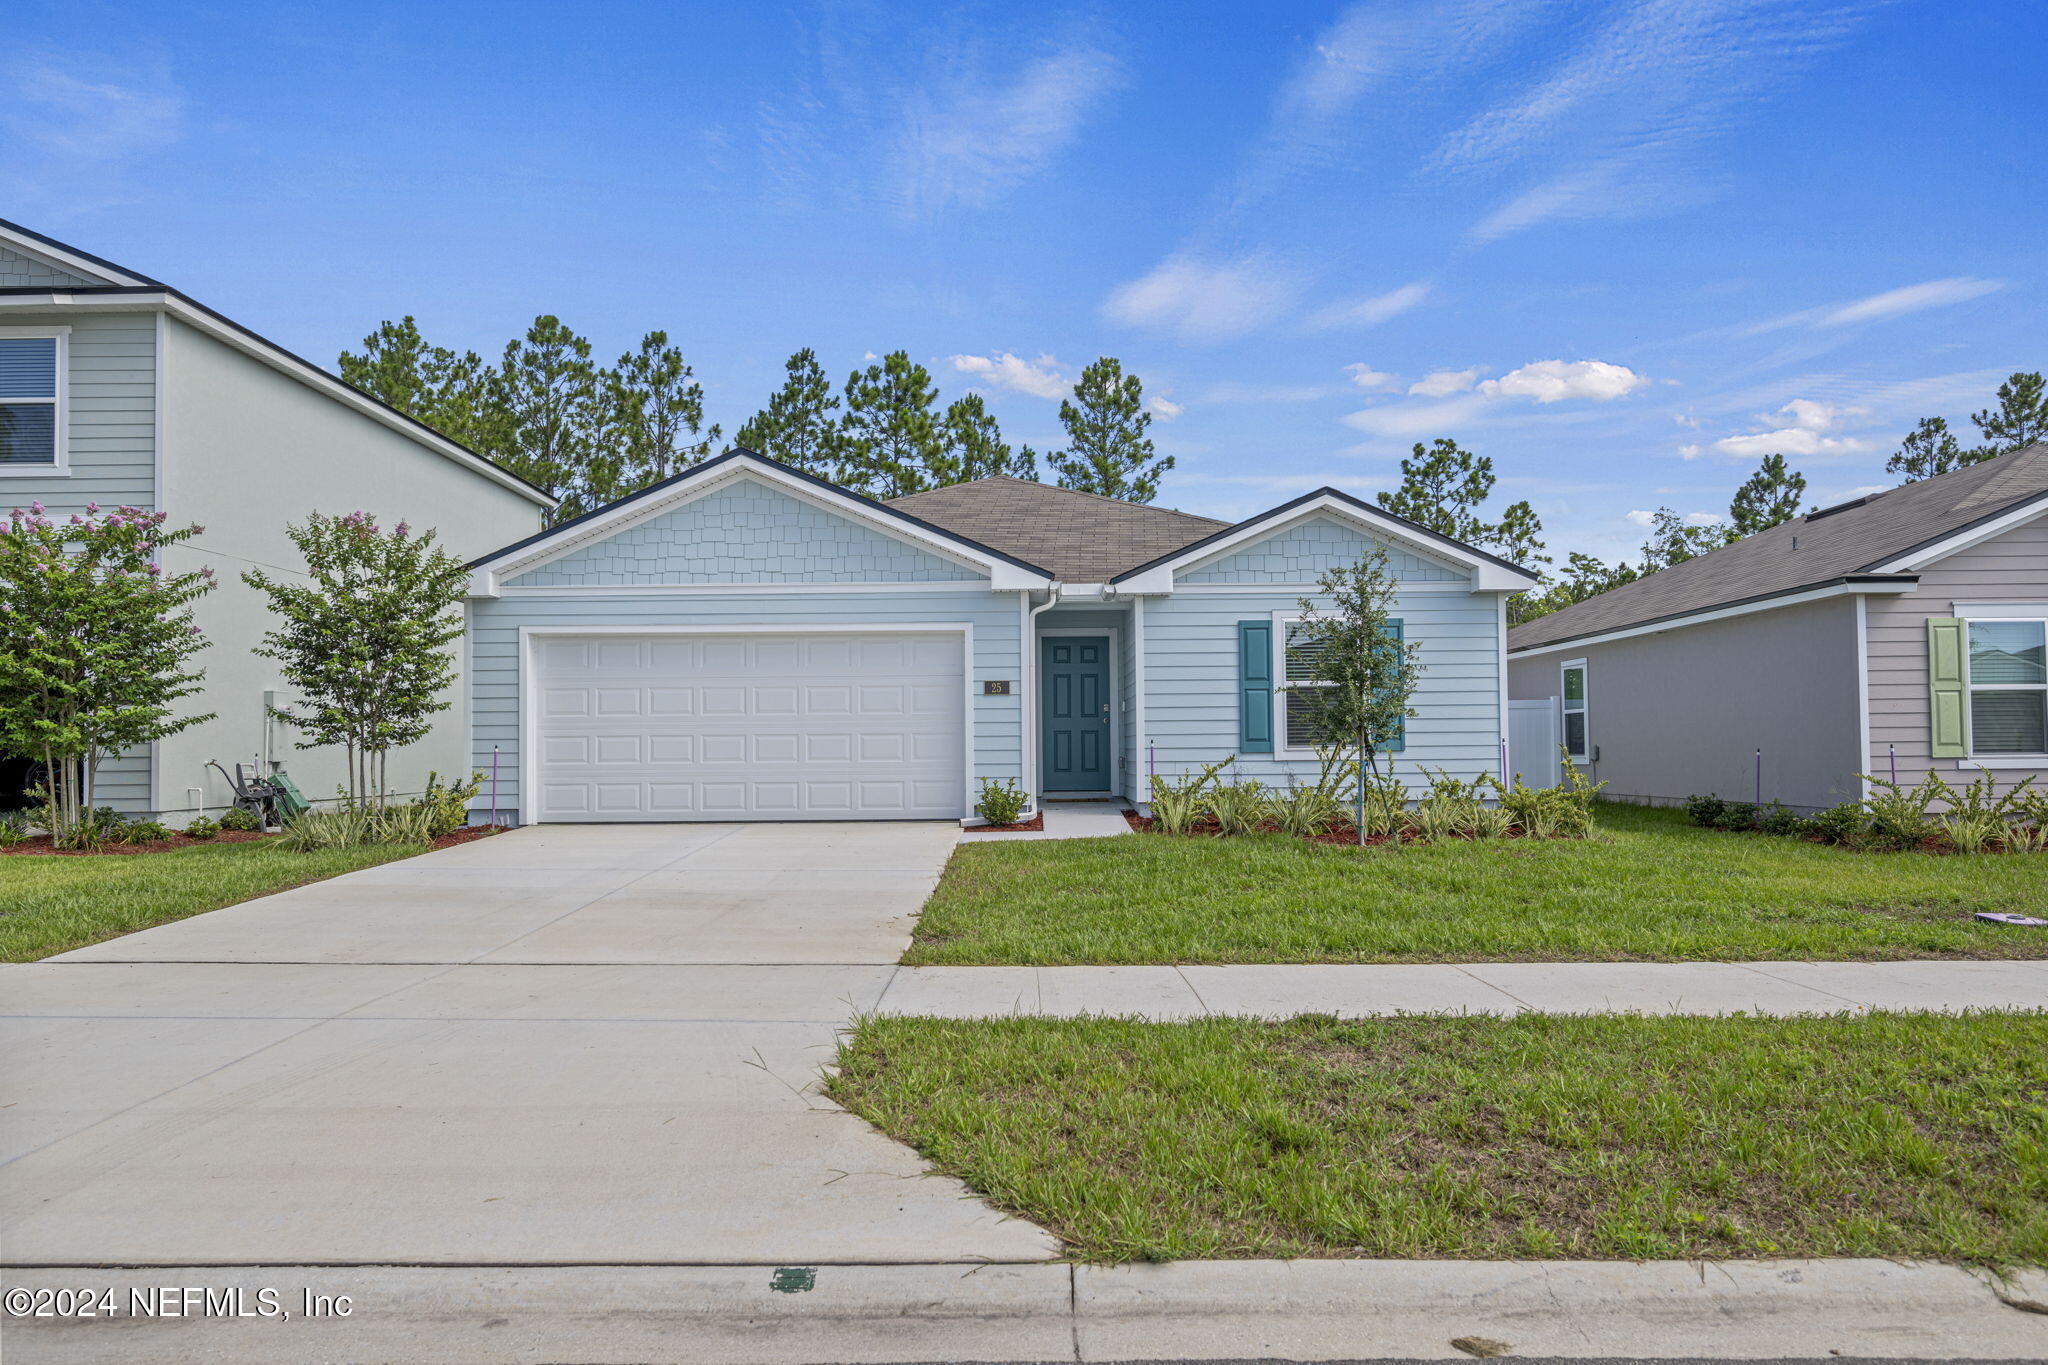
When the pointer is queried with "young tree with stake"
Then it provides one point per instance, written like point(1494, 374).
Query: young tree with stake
point(365, 643)
point(1349, 667)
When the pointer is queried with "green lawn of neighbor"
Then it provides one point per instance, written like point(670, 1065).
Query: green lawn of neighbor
point(1541, 1137)
point(49, 904)
point(1646, 885)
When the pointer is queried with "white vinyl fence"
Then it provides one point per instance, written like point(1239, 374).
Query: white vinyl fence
point(1533, 741)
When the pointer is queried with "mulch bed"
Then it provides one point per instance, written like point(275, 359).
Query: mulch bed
point(39, 846)
point(1344, 836)
point(1035, 823)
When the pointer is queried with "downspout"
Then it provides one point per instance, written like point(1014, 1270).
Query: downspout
point(1029, 648)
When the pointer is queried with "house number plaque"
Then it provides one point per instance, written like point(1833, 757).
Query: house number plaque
point(995, 687)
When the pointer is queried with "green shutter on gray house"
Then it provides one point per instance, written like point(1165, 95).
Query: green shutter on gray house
point(1255, 687)
point(1399, 739)
point(1947, 714)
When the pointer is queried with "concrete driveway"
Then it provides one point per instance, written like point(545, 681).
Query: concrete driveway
point(564, 1044)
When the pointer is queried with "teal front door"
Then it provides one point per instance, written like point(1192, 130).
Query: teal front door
point(1074, 710)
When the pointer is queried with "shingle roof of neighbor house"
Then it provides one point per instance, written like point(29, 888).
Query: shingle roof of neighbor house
point(1810, 551)
point(1078, 537)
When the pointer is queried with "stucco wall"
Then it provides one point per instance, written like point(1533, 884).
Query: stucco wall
point(747, 532)
point(2009, 568)
point(494, 651)
point(1684, 711)
point(248, 451)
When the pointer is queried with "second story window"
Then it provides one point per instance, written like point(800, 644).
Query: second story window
point(31, 388)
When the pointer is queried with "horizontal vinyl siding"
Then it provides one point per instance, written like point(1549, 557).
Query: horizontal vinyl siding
point(112, 415)
point(1191, 685)
point(2009, 568)
point(494, 653)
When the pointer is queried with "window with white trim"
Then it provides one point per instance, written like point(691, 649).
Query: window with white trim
point(2007, 678)
point(31, 400)
point(1298, 729)
point(1572, 688)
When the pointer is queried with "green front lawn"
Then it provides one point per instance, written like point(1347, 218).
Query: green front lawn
point(1542, 1137)
point(1647, 885)
point(50, 904)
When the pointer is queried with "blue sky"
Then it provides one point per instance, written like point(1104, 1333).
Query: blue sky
point(1622, 248)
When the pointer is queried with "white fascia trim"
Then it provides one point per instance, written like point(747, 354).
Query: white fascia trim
point(1717, 614)
point(529, 758)
point(2038, 762)
point(1402, 588)
point(1002, 575)
point(1963, 540)
point(1487, 576)
point(311, 376)
point(581, 591)
point(64, 259)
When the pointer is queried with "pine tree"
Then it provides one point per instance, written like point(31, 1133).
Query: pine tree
point(653, 426)
point(798, 427)
point(1673, 540)
point(556, 404)
point(2019, 420)
point(975, 448)
point(893, 440)
point(1107, 450)
point(1443, 486)
point(1931, 449)
point(1769, 497)
point(454, 394)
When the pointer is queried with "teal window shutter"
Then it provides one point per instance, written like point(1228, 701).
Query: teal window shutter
point(1255, 687)
point(1399, 740)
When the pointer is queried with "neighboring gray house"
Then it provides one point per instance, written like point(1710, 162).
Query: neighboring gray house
point(746, 641)
point(1899, 632)
point(118, 389)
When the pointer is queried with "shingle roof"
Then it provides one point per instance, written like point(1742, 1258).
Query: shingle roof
point(1807, 551)
point(1079, 537)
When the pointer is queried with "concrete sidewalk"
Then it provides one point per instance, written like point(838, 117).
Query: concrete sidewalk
point(1215, 1310)
point(1064, 820)
point(1767, 988)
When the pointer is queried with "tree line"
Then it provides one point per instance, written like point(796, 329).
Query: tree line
point(587, 433)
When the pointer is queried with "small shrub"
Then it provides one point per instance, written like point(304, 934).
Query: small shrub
point(1306, 812)
point(1001, 803)
point(1178, 805)
point(1780, 819)
point(1435, 818)
point(356, 826)
point(1491, 822)
point(1239, 807)
point(1381, 805)
point(240, 821)
point(1539, 812)
point(202, 828)
point(1841, 824)
point(2026, 838)
point(448, 806)
point(13, 828)
point(1899, 816)
point(1736, 815)
point(1576, 812)
point(1970, 831)
point(146, 832)
point(1705, 810)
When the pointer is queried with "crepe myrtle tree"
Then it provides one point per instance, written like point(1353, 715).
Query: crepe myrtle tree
point(1350, 671)
point(364, 641)
point(96, 644)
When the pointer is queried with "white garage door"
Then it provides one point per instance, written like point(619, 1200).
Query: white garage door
point(737, 727)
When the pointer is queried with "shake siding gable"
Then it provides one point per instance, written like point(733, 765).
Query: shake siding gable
point(745, 532)
point(26, 272)
point(1304, 552)
point(2012, 567)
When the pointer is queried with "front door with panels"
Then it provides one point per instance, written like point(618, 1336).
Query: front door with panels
point(1074, 707)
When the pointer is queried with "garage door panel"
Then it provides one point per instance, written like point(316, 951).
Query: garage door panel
point(835, 726)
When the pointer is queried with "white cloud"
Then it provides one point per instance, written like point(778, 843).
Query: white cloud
point(1703, 518)
point(1370, 310)
point(1648, 519)
point(1689, 452)
point(1911, 299)
point(1551, 381)
point(1641, 518)
point(1164, 408)
point(1408, 420)
point(1203, 300)
point(1441, 383)
point(1040, 379)
point(970, 138)
point(1800, 427)
point(1364, 376)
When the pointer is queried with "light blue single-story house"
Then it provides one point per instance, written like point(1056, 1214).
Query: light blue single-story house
point(745, 641)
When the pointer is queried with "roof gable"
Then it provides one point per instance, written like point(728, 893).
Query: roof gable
point(743, 530)
point(1080, 537)
point(1304, 551)
point(20, 270)
point(1895, 531)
